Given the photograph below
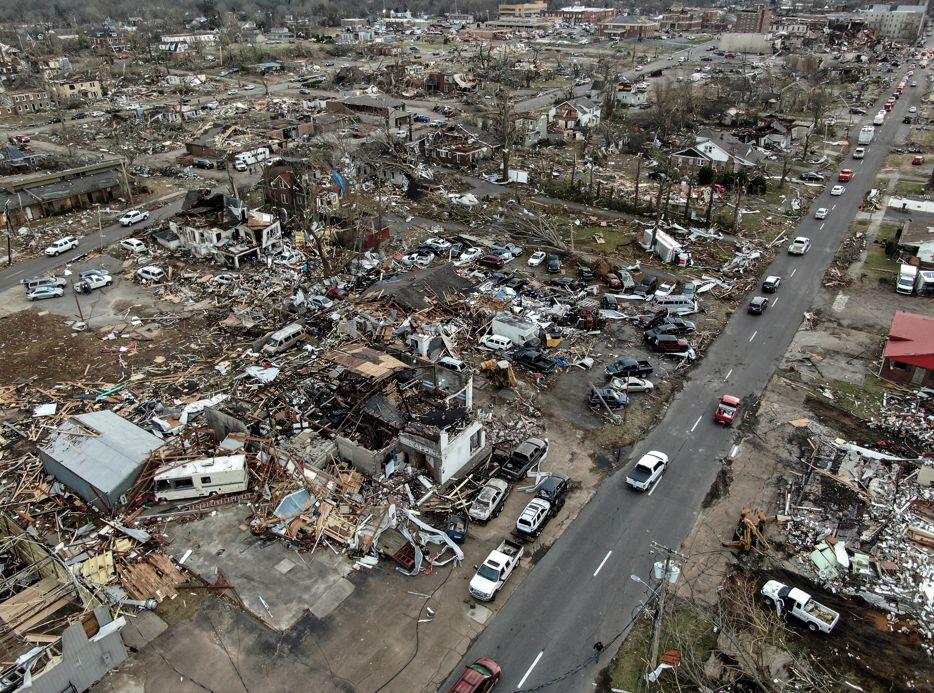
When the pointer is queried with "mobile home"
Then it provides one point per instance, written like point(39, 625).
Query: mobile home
point(205, 477)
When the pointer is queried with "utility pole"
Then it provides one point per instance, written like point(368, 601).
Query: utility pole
point(100, 229)
point(9, 233)
point(670, 563)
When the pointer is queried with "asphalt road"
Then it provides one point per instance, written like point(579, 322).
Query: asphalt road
point(581, 591)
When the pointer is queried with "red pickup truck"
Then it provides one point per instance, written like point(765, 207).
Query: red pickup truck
point(846, 175)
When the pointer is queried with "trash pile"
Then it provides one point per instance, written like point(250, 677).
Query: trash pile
point(861, 522)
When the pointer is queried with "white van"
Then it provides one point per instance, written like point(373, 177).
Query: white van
point(244, 160)
point(284, 339)
point(452, 363)
point(678, 305)
point(206, 477)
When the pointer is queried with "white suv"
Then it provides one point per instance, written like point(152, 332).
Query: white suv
point(62, 245)
point(134, 245)
point(133, 216)
point(150, 273)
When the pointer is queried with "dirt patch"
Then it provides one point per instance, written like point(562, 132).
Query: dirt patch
point(721, 485)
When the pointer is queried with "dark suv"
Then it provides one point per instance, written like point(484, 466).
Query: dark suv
point(666, 342)
point(676, 325)
point(554, 489)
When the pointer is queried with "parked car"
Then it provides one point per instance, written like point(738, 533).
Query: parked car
point(203, 163)
point(727, 410)
point(421, 118)
point(489, 501)
point(648, 285)
point(494, 571)
point(612, 280)
point(458, 524)
point(647, 471)
point(468, 256)
point(534, 361)
point(801, 605)
point(493, 261)
point(232, 92)
point(630, 384)
point(41, 282)
point(552, 264)
point(134, 245)
point(625, 367)
point(585, 274)
point(554, 489)
point(668, 343)
point(62, 245)
point(757, 305)
point(913, 109)
point(496, 342)
point(43, 292)
point(675, 325)
point(665, 290)
point(92, 281)
point(439, 245)
point(249, 87)
point(526, 455)
point(134, 216)
point(917, 160)
point(320, 302)
point(812, 176)
point(837, 190)
point(150, 273)
point(771, 283)
point(536, 258)
point(821, 213)
point(799, 246)
point(533, 518)
point(607, 396)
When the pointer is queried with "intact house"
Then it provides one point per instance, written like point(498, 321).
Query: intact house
point(378, 109)
point(570, 118)
point(456, 145)
point(706, 152)
point(909, 350)
point(39, 196)
point(99, 456)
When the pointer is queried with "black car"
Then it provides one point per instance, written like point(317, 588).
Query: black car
point(554, 489)
point(517, 283)
point(608, 396)
point(563, 283)
point(758, 305)
point(534, 360)
point(636, 367)
point(813, 176)
point(552, 264)
point(80, 115)
point(907, 120)
point(203, 163)
point(648, 286)
point(585, 273)
point(658, 175)
point(676, 325)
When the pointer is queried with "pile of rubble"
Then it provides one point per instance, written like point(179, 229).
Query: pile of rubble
point(862, 522)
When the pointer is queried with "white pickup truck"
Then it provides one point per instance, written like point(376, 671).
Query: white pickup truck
point(798, 603)
point(496, 569)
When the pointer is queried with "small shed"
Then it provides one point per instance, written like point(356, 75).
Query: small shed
point(99, 457)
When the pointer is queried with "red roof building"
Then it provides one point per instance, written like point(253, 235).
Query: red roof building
point(909, 351)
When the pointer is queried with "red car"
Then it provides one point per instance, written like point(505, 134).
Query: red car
point(727, 410)
point(612, 281)
point(479, 677)
point(918, 160)
point(494, 261)
point(846, 175)
point(20, 139)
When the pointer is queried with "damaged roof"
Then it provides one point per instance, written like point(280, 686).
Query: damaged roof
point(911, 340)
point(412, 289)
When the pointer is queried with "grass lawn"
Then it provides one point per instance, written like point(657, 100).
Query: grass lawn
point(878, 265)
point(909, 188)
point(630, 662)
point(862, 401)
point(613, 233)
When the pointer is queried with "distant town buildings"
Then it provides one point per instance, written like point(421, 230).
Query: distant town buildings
point(579, 14)
point(523, 9)
point(753, 21)
point(897, 21)
point(623, 27)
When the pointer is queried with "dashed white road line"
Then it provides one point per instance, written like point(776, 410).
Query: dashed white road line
point(821, 226)
point(793, 271)
point(775, 303)
point(522, 682)
point(754, 335)
point(696, 422)
point(605, 559)
point(728, 374)
point(833, 208)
